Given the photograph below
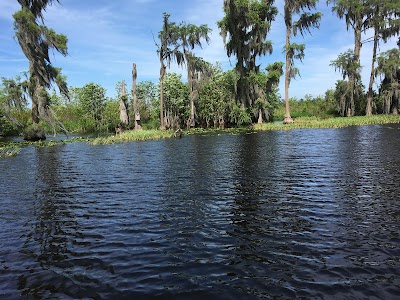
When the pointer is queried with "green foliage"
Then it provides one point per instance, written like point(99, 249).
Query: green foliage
point(239, 116)
point(294, 51)
point(133, 135)
point(359, 17)
point(347, 64)
point(148, 101)
point(14, 114)
point(92, 100)
point(110, 116)
point(389, 64)
point(313, 122)
point(305, 22)
point(167, 50)
point(320, 107)
point(86, 109)
point(216, 96)
point(389, 92)
point(349, 93)
point(244, 29)
point(176, 96)
point(266, 91)
point(36, 40)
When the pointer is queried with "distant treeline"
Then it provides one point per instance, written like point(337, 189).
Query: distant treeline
point(211, 97)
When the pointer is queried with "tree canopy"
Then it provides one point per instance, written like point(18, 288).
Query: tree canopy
point(36, 40)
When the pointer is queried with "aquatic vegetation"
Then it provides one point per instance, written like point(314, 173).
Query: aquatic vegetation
point(133, 135)
point(217, 131)
point(310, 122)
point(9, 151)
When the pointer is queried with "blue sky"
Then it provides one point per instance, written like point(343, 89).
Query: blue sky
point(106, 37)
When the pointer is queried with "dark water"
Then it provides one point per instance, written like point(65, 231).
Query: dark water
point(289, 214)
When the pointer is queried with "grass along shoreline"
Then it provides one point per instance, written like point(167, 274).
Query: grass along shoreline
point(337, 122)
point(13, 148)
point(133, 135)
point(304, 122)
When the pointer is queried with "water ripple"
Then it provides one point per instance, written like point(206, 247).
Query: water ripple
point(296, 214)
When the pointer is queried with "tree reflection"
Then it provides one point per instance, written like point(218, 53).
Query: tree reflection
point(49, 242)
point(267, 218)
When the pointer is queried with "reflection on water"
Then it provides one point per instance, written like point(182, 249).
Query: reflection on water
point(301, 213)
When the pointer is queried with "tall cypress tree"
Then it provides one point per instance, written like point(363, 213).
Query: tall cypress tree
point(244, 29)
point(36, 40)
point(293, 51)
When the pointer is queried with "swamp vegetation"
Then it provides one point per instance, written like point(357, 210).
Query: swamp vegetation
point(234, 201)
point(210, 97)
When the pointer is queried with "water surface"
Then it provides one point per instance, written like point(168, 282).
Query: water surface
point(286, 214)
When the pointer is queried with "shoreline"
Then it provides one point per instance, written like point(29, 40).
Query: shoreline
point(13, 148)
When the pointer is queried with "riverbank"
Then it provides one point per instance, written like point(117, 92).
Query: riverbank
point(13, 148)
point(337, 122)
point(304, 122)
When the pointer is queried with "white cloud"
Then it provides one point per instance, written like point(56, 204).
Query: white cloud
point(105, 40)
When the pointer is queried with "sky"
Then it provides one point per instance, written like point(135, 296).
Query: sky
point(106, 37)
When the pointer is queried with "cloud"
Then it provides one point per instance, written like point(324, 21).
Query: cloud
point(104, 40)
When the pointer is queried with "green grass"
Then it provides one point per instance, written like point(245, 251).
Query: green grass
point(11, 148)
point(310, 122)
point(133, 135)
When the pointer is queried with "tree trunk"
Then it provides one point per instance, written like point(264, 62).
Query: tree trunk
point(35, 111)
point(354, 75)
point(123, 114)
point(288, 119)
point(136, 112)
point(162, 72)
point(191, 96)
point(260, 118)
point(350, 106)
point(42, 102)
point(221, 122)
point(395, 103)
point(368, 110)
point(39, 103)
point(35, 104)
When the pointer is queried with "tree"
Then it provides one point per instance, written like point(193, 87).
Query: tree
point(176, 101)
point(244, 29)
point(385, 21)
point(357, 16)
point(92, 100)
point(389, 67)
point(136, 112)
point(266, 85)
point(349, 66)
point(149, 102)
point(216, 97)
point(190, 36)
point(13, 101)
point(167, 50)
point(294, 51)
point(123, 107)
point(36, 40)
